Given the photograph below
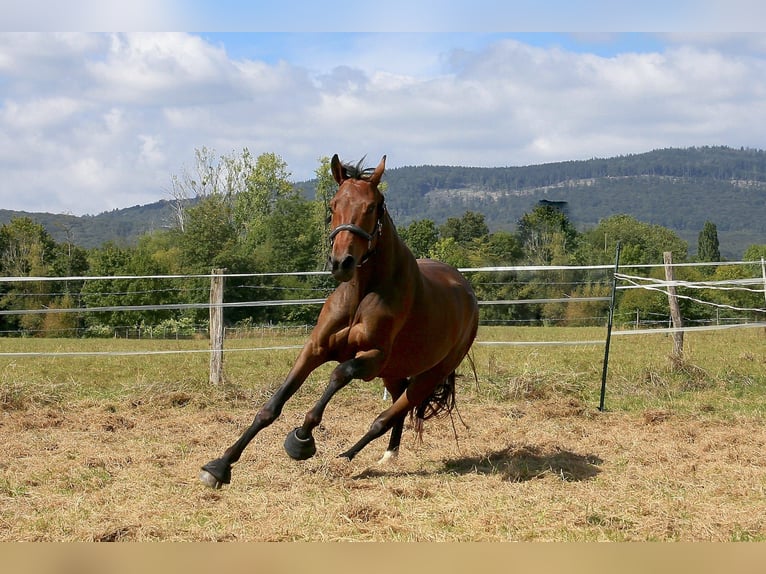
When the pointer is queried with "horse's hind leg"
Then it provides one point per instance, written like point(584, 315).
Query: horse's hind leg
point(396, 388)
point(418, 389)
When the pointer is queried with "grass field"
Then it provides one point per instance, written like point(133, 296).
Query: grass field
point(108, 447)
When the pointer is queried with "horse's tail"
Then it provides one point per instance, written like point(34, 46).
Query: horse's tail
point(469, 356)
point(440, 402)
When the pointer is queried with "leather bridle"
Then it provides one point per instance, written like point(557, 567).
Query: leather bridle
point(356, 230)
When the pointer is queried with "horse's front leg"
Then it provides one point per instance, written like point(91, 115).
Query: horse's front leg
point(218, 472)
point(299, 443)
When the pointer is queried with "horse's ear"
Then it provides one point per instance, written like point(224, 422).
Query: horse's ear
point(378, 173)
point(337, 169)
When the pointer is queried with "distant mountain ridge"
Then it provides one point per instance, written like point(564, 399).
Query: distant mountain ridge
point(676, 188)
point(122, 226)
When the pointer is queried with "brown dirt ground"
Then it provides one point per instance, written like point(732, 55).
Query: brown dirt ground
point(541, 469)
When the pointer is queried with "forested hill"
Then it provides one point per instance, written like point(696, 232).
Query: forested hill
point(122, 226)
point(676, 188)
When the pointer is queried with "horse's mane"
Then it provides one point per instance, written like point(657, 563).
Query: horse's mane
point(357, 170)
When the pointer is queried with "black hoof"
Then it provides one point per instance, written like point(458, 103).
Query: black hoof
point(300, 448)
point(348, 455)
point(215, 474)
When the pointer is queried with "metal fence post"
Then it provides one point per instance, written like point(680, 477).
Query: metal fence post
point(609, 321)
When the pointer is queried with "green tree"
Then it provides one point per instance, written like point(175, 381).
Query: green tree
point(546, 234)
point(420, 236)
point(266, 182)
point(450, 252)
point(324, 191)
point(755, 252)
point(108, 260)
point(209, 234)
point(641, 243)
point(744, 298)
point(707, 243)
point(499, 248)
point(289, 236)
point(26, 250)
point(496, 249)
point(465, 229)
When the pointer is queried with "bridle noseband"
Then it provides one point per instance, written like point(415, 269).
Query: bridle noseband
point(356, 230)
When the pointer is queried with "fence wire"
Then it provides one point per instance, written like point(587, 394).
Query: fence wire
point(629, 282)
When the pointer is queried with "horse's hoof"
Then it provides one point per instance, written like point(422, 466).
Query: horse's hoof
point(215, 474)
point(209, 480)
point(299, 448)
point(388, 457)
point(347, 455)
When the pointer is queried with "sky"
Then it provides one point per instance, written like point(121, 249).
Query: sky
point(103, 118)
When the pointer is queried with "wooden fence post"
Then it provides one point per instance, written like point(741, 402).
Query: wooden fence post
point(675, 310)
point(216, 327)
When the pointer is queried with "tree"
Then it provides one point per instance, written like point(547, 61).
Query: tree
point(707, 243)
point(450, 252)
point(641, 242)
point(289, 236)
point(324, 192)
point(266, 182)
point(211, 176)
point(108, 260)
point(420, 236)
point(464, 229)
point(26, 250)
point(546, 234)
point(500, 248)
point(755, 252)
point(209, 234)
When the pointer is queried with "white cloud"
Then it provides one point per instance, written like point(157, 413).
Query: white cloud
point(39, 113)
point(94, 122)
point(152, 68)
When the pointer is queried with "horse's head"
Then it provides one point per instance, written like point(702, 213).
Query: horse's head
point(356, 211)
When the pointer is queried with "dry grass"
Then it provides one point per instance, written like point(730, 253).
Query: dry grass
point(110, 452)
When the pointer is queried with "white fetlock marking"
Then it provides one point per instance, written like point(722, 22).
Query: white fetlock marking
point(388, 456)
point(209, 480)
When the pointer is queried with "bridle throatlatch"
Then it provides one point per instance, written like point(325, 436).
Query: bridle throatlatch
point(356, 230)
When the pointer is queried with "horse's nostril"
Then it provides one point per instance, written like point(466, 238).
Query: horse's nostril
point(343, 269)
point(348, 263)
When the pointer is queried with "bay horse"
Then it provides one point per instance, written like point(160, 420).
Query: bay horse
point(410, 322)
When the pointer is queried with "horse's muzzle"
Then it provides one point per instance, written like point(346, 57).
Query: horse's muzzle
point(343, 269)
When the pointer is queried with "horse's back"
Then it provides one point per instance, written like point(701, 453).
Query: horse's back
point(451, 303)
point(446, 284)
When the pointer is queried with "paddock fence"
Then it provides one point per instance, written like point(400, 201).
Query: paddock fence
point(629, 322)
point(732, 303)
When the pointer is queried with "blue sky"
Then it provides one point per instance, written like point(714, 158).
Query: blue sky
point(275, 46)
point(93, 121)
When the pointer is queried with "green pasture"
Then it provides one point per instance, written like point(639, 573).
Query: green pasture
point(723, 372)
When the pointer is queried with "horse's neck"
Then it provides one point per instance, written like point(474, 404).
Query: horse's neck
point(388, 265)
